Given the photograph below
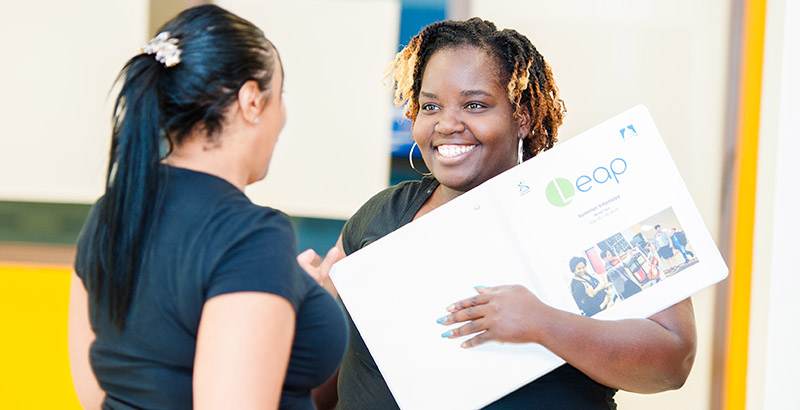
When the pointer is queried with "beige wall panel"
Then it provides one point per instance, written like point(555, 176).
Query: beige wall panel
point(669, 55)
point(56, 106)
point(334, 152)
point(60, 61)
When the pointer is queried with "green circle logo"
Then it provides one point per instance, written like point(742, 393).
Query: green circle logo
point(559, 192)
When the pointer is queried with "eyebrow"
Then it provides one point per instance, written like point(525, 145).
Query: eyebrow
point(465, 93)
point(470, 93)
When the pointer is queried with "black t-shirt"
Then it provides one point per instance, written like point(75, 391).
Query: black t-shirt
point(207, 239)
point(360, 384)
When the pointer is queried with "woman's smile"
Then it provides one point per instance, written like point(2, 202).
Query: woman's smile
point(450, 153)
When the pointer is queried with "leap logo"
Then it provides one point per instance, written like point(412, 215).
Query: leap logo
point(560, 191)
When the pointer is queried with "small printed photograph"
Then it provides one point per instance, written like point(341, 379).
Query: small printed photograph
point(629, 261)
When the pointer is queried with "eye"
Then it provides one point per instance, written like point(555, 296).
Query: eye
point(428, 107)
point(474, 106)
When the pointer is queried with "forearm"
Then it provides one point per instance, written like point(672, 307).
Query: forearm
point(79, 338)
point(593, 291)
point(638, 355)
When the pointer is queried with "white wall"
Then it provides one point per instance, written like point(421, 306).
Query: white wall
point(669, 55)
point(773, 354)
point(60, 59)
point(335, 150)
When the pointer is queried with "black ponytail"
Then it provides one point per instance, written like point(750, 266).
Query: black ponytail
point(131, 186)
point(160, 104)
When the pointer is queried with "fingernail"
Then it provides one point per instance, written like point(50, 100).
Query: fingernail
point(480, 287)
point(441, 319)
point(464, 345)
point(450, 308)
point(447, 334)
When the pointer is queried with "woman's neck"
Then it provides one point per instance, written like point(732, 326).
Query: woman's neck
point(199, 155)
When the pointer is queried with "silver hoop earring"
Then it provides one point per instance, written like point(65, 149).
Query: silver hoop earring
point(519, 152)
point(411, 160)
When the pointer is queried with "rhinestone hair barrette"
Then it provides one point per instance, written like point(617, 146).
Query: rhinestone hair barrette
point(165, 48)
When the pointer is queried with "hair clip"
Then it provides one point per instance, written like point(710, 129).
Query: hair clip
point(165, 48)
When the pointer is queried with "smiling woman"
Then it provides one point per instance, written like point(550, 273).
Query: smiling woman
point(481, 101)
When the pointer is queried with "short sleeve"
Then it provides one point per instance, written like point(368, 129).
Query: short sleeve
point(262, 260)
point(350, 233)
point(385, 212)
point(353, 232)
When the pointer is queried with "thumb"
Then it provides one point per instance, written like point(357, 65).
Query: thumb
point(330, 258)
point(308, 257)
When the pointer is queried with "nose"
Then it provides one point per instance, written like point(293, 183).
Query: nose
point(449, 123)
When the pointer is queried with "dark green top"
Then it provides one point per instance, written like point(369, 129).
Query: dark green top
point(361, 386)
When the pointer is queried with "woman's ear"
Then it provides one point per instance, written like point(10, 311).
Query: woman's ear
point(251, 101)
point(525, 125)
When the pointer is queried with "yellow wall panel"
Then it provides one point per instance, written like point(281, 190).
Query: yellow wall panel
point(34, 363)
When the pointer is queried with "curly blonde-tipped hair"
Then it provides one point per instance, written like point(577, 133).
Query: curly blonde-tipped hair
point(528, 78)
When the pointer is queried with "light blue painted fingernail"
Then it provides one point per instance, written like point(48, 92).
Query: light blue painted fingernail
point(480, 287)
point(441, 320)
point(447, 334)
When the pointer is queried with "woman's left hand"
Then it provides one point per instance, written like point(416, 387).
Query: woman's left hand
point(319, 268)
point(502, 314)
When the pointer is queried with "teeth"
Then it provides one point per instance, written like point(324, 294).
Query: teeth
point(449, 151)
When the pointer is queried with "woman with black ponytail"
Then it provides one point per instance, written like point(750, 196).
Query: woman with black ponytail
point(185, 294)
